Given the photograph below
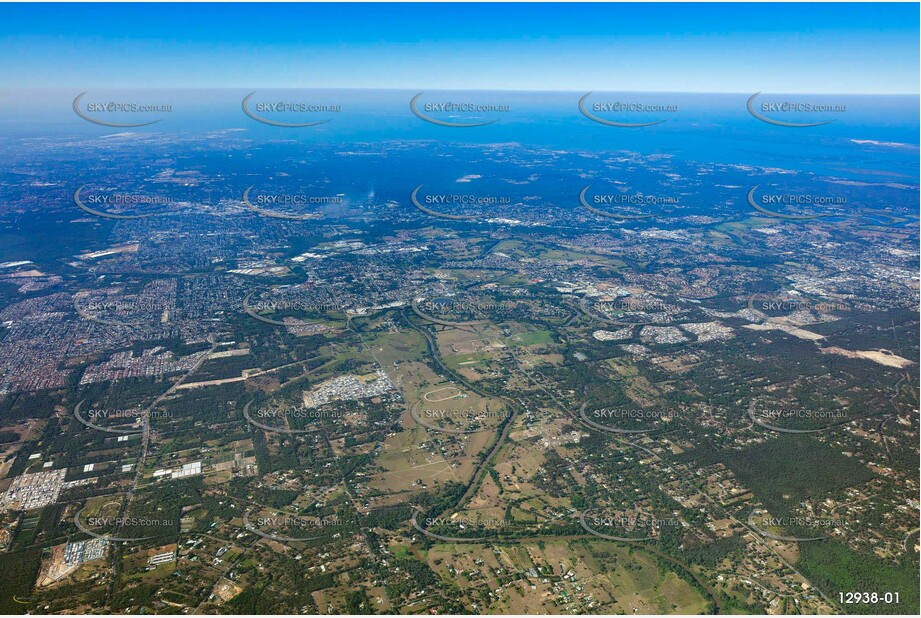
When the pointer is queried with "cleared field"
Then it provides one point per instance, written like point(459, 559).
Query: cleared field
point(564, 577)
point(537, 337)
point(420, 457)
point(390, 348)
point(637, 585)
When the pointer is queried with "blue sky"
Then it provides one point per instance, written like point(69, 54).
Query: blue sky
point(870, 48)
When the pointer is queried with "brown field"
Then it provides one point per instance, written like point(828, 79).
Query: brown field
point(566, 578)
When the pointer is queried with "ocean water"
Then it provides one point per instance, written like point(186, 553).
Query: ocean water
point(710, 148)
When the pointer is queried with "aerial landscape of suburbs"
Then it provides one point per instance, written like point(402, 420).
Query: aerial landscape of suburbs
point(458, 351)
